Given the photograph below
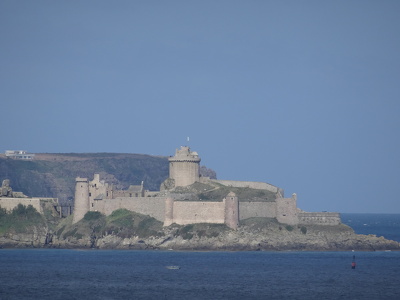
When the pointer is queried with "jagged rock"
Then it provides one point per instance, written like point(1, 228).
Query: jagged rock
point(265, 235)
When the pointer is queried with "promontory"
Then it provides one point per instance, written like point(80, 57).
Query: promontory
point(190, 210)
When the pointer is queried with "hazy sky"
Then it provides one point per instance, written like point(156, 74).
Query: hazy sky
point(304, 95)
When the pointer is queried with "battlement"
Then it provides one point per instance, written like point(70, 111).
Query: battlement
point(80, 179)
point(184, 167)
point(185, 155)
point(173, 159)
point(319, 218)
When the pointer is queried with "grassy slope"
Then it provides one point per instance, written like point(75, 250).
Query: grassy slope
point(217, 192)
point(122, 223)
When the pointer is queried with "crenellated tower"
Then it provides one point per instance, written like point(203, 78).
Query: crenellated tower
point(184, 167)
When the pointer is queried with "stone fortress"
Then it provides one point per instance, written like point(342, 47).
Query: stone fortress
point(169, 206)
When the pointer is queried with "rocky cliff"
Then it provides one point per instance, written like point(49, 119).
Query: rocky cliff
point(127, 230)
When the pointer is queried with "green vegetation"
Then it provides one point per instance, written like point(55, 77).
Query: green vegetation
point(92, 215)
point(187, 232)
point(217, 192)
point(22, 219)
point(289, 228)
point(121, 222)
point(121, 218)
point(125, 224)
point(303, 229)
point(70, 233)
point(258, 223)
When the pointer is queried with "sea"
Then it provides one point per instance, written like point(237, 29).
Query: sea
point(125, 274)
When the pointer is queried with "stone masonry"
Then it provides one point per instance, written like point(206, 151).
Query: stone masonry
point(97, 195)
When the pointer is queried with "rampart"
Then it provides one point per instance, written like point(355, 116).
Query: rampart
point(194, 212)
point(185, 212)
point(250, 184)
point(319, 218)
point(152, 206)
point(257, 209)
point(10, 203)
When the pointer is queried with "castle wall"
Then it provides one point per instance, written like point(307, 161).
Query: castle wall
point(152, 206)
point(188, 212)
point(10, 203)
point(286, 210)
point(319, 218)
point(257, 209)
point(127, 194)
point(250, 184)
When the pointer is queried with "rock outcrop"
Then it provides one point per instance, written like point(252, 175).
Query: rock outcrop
point(246, 238)
point(259, 234)
point(37, 237)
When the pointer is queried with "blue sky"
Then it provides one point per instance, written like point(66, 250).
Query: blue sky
point(301, 94)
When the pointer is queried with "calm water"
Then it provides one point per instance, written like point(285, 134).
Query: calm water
point(92, 274)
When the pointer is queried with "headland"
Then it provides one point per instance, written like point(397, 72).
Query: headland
point(188, 212)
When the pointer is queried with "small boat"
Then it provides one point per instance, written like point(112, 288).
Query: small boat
point(173, 267)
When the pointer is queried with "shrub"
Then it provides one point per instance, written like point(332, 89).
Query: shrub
point(98, 229)
point(22, 219)
point(92, 215)
point(3, 212)
point(22, 212)
point(185, 232)
point(147, 227)
point(289, 227)
point(303, 229)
